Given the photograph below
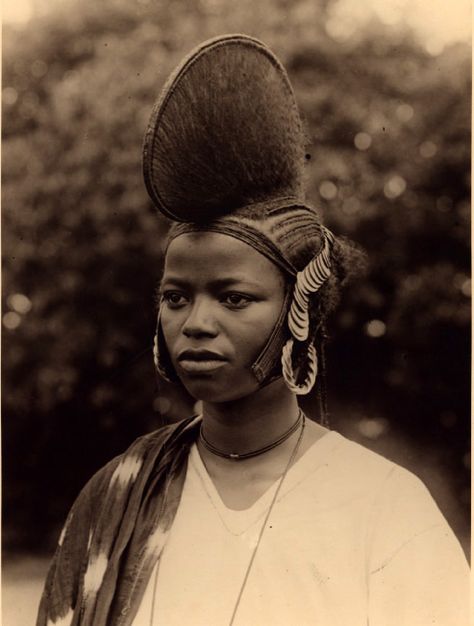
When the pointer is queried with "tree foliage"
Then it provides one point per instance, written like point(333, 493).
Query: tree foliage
point(389, 133)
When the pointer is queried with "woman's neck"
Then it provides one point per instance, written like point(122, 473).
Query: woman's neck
point(251, 422)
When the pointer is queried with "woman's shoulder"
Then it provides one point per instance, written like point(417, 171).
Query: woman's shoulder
point(397, 503)
point(165, 434)
point(362, 467)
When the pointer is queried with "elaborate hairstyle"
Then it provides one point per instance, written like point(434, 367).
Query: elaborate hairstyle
point(225, 151)
point(225, 133)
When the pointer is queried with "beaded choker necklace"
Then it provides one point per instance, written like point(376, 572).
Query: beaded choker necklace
point(234, 456)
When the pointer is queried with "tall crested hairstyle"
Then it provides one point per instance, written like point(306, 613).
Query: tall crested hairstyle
point(216, 143)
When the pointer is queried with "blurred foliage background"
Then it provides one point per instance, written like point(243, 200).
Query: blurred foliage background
point(389, 128)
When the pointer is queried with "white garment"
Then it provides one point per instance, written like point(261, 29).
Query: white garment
point(353, 540)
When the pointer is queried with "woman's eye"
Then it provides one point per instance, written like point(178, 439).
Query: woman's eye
point(174, 298)
point(237, 300)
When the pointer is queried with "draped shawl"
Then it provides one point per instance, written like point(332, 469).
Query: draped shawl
point(116, 531)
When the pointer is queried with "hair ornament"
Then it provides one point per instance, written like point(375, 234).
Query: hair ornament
point(156, 359)
point(289, 375)
point(309, 281)
point(161, 358)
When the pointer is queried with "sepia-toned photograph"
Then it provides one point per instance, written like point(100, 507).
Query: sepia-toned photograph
point(236, 313)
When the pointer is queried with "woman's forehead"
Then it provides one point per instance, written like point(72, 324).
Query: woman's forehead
point(216, 254)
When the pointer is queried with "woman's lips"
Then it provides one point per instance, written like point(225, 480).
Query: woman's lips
point(192, 366)
point(200, 361)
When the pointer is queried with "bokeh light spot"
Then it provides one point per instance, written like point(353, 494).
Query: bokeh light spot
point(327, 190)
point(39, 68)
point(375, 328)
point(463, 283)
point(162, 405)
point(9, 96)
point(404, 112)
point(412, 282)
point(394, 187)
point(28, 104)
point(19, 303)
point(11, 320)
point(466, 288)
point(428, 149)
point(372, 428)
point(362, 141)
point(351, 206)
point(339, 29)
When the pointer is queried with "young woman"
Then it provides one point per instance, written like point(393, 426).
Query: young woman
point(248, 513)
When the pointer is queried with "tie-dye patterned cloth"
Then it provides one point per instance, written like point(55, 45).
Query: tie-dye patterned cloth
point(116, 531)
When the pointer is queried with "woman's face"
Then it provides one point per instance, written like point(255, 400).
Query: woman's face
point(220, 300)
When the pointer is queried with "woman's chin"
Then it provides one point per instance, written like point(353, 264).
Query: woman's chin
point(211, 390)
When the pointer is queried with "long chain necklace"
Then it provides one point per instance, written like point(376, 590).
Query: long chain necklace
point(270, 508)
point(235, 456)
point(301, 419)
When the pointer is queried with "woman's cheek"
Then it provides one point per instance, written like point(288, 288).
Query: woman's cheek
point(264, 318)
point(169, 326)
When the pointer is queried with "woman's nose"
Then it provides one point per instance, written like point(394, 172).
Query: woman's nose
point(201, 320)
